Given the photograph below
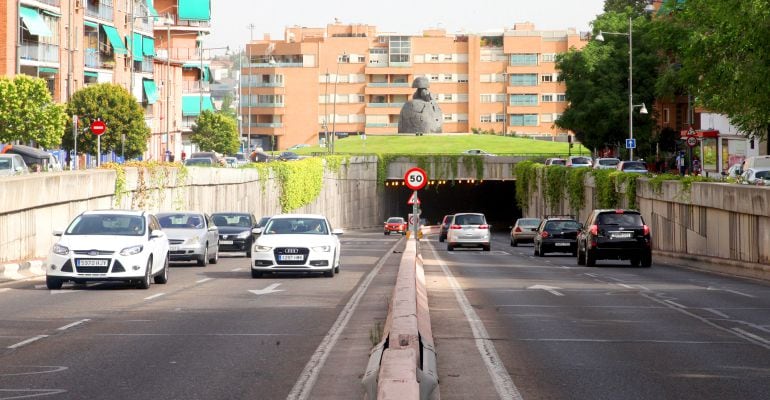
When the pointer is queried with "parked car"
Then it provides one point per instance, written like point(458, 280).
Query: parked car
point(606, 163)
point(231, 162)
point(296, 243)
point(756, 176)
point(109, 245)
point(192, 236)
point(468, 230)
point(199, 162)
point(235, 231)
point(614, 234)
point(444, 229)
point(556, 235)
point(395, 224)
point(215, 158)
point(477, 152)
point(632, 166)
point(734, 171)
point(260, 156)
point(579, 161)
point(555, 161)
point(524, 230)
point(242, 159)
point(298, 146)
point(12, 164)
point(36, 159)
point(288, 156)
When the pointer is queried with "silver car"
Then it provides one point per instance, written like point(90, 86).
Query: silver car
point(192, 236)
point(468, 230)
point(606, 163)
point(524, 230)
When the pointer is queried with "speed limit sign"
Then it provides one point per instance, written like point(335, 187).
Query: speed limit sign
point(415, 178)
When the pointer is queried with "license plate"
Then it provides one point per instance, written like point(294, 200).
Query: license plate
point(173, 248)
point(93, 263)
point(561, 244)
point(298, 257)
point(621, 235)
point(225, 242)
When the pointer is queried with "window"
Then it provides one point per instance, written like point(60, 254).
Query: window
point(400, 49)
point(447, 78)
point(486, 98)
point(524, 120)
point(665, 116)
point(486, 118)
point(524, 59)
point(499, 117)
point(561, 97)
point(523, 79)
point(546, 118)
point(343, 58)
point(546, 78)
point(434, 57)
point(361, 98)
point(360, 59)
point(548, 57)
point(523, 99)
point(546, 98)
point(378, 50)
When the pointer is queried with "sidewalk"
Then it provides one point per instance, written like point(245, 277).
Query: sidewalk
point(21, 270)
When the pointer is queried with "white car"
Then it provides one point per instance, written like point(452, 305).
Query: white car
point(109, 245)
point(468, 230)
point(756, 176)
point(296, 243)
point(579, 161)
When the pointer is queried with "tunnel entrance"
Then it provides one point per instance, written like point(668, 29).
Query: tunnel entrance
point(495, 199)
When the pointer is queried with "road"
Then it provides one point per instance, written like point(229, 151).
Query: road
point(210, 333)
point(508, 325)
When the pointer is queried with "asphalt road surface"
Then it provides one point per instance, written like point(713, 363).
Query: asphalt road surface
point(508, 325)
point(210, 333)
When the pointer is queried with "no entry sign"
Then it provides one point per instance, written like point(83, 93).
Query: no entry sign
point(98, 127)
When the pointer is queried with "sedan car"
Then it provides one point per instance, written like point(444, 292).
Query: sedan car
point(615, 234)
point(192, 237)
point(288, 156)
point(468, 230)
point(579, 161)
point(632, 166)
point(296, 243)
point(444, 228)
point(109, 245)
point(556, 235)
point(395, 225)
point(235, 231)
point(524, 230)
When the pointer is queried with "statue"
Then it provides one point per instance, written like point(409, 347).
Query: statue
point(421, 114)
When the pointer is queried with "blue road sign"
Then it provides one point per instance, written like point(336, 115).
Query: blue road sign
point(630, 143)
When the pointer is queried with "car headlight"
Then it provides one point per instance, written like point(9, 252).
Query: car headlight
point(262, 249)
point(130, 251)
point(60, 250)
point(244, 235)
point(322, 249)
point(192, 240)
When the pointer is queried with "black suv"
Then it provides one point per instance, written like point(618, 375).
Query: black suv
point(556, 235)
point(614, 234)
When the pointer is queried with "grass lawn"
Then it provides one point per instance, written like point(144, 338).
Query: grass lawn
point(445, 144)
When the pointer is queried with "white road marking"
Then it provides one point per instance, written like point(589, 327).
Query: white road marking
point(30, 393)
point(549, 289)
point(675, 304)
point(626, 286)
point(751, 335)
point(203, 280)
point(592, 275)
point(26, 342)
point(45, 369)
point(236, 269)
point(309, 374)
point(267, 290)
point(643, 287)
point(76, 323)
point(155, 296)
point(717, 312)
point(731, 291)
point(504, 385)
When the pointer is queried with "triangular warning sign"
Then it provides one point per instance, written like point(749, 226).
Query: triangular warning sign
point(413, 199)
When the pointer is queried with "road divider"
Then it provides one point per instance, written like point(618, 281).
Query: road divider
point(21, 271)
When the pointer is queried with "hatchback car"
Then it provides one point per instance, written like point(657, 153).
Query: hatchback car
point(109, 245)
point(632, 166)
point(524, 230)
point(235, 231)
point(192, 237)
point(614, 234)
point(296, 243)
point(606, 163)
point(556, 235)
point(579, 161)
point(468, 230)
point(395, 225)
point(444, 228)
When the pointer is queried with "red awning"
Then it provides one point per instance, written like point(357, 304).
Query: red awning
point(708, 133)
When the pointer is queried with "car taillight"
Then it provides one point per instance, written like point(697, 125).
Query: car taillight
point(594, 229)
point(455, 227)
point(618, 211)
point(646, 230)
point(484, 226)
point(544, 234)
point(517, 229)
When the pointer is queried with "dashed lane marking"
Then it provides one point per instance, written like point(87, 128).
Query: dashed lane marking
point(74, 324)
point(28, 341)
point(155, 296)
point(203, 280)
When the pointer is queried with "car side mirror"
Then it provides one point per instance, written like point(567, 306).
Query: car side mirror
point(157, 234)
point(58, 232)
point(257, 231)
point(337, 231)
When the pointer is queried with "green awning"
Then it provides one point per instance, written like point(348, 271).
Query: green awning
point(152, 9)
point(47, 70)
point(117, 43)
point(51, 13)
point(191, 105)
point(91, 74)
point(34, 22)
point(194, 10)
point(136, 47)
point(205, 70)
point(91, 24)
point(148, 45)
point(150, 90)
point(207, 74)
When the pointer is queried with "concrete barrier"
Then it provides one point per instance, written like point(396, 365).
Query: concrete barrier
point(22, 270)
point(403, 365)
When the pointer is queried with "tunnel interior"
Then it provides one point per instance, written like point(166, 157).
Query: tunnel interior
point(495, 199)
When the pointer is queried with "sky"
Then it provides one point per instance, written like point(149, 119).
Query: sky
point(230, 18)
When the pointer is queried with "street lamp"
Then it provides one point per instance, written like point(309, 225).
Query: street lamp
point(505, 103)
point(631, 106)
point(227, 52)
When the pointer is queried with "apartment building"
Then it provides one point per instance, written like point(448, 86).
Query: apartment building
point(352, 79)
point(74, 43)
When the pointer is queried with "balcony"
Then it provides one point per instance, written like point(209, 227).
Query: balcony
point(146, 65)
point(55, 3)
point(389, 84)
point(267, 124)
point(266, 105)
point(39, 52)
point(185, 23)
point(95, 59)
point(385, 105)
point(276, 65)
point(100, 9)
point(263, 84)
point(195, 86)
point(382, 124)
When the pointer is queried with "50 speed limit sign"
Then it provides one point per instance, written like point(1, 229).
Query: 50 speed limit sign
point(415, 178)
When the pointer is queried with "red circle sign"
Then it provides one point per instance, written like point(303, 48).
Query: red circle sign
point(98, 127)
point(415, 178)
point(692, 141)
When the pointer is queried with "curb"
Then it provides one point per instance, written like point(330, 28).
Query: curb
point(25, 270)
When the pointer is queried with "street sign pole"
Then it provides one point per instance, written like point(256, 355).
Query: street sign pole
point(415, 179)
point(75, 142)
point(99, 150)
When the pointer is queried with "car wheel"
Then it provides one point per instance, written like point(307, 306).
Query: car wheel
point(53, 283)
point(215, 259)
point(635, 262)
point(440, 238)
point(574, 253)
point(256, 274)
point(581, 258)
point(203, 259)
point(487, 247)
point(536, 251)
point(249, 246)
point(162, 277)
point(329, 273)
point(514, 242)
point(590, 259)
point(386, 233)
point(647, 261)
point(449, 247)
point(540, 251)
point(144, 283)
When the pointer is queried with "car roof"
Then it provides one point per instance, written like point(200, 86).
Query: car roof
point(114, 211)
point(298, 216)
point(230, 213)
point(180, 213)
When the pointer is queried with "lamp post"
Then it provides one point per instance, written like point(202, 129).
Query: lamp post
point(505, 103)
point(334, 105)
point(631, 106)
point(326, 113)
point(227, 51)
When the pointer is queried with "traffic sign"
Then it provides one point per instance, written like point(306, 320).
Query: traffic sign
point(692, 141)
point(691, 132)
point(630, 143)
point(413, 199)
point(415, 178)
point(98, 127)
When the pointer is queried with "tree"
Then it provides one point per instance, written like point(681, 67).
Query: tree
point(120, 112)
point(620, 6)
point(227, 105)
point(216, 132)
point(28, 113)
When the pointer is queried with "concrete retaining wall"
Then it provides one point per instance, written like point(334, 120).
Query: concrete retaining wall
point(32, 206)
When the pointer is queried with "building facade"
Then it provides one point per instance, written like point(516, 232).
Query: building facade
point(351, 79)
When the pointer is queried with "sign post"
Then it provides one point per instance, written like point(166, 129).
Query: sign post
point(98, 127)
point(415, 179)
point(75, 142)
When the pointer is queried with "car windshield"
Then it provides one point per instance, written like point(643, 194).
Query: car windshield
point(5, 163)
point(762, 175)
point(634, 165)
point(198, 161)
point(581, 160)
point(107, 224)
point(609, 161)
point(233, 220)
point(562, 225)
point(296, 226)
point(395, 220)
point(624, 219)
point(469, 219)
point(263, 221)
point(181, 221)
point(558, 162)
point(529, 222)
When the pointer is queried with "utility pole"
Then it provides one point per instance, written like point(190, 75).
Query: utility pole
point(168, 79)
point(326, 114)
point(248, 64)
